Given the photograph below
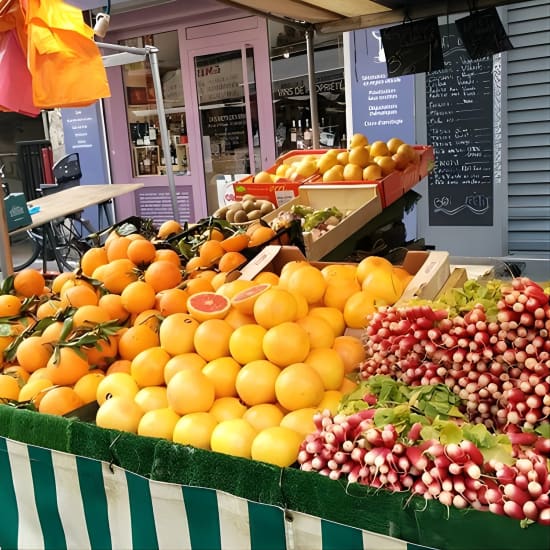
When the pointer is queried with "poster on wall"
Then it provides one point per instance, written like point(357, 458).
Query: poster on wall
point(459, 117)
point(382, 107)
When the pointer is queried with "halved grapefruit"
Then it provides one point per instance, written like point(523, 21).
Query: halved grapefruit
point(208, 305)
point(244, 300)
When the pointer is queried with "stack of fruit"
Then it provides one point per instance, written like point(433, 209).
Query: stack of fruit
point(200, 361)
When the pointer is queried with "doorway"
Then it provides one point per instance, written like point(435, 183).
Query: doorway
point(234, 114)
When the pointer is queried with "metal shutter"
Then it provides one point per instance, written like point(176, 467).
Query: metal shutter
point(528, 110)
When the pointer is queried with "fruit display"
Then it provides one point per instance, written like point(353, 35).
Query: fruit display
point(444, 400)
point(361, 161)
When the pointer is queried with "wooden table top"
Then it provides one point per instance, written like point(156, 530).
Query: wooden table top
point(74, 199)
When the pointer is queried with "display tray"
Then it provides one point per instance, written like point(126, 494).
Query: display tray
point(363, 204)
point(71, 488)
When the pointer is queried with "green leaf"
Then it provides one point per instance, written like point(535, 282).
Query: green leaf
point(382, 417)
point(543, 430)
point(450, 433)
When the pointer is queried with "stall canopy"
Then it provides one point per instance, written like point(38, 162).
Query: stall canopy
point(328, 16)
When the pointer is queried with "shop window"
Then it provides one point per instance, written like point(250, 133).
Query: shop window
point(143, 121)
point(291, 99)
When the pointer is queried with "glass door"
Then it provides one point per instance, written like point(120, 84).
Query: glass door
point(229, 122)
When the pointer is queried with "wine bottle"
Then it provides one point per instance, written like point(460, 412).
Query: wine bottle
point(307, 136)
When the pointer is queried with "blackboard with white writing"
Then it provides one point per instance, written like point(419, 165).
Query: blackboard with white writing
point(459, 117)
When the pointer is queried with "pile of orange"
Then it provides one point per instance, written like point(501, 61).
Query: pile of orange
point(238, 367)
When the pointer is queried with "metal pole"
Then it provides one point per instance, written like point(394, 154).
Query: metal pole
point(312, 87)
point(164, 135)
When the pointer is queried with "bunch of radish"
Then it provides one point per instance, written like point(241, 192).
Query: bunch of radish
point(499, 367)
point(353, 448)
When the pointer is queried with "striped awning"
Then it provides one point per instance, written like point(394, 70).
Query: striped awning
point(52, 500)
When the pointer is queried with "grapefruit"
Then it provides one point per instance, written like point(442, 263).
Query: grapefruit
point(244, 300)
point(208, 305)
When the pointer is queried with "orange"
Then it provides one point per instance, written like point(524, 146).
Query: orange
point(17, 372)
point(263, 415)
point(359, 155)
point(357, 309)
point(163, 274)
point(158, 423)
point(77, 296)
point(255, 382)
point(223, 372)
point(53, 331)
point(48, 309)
point(138, 296)
point(116, 275)
point(151, 318)
point(338, 292)
point(86, 387)
point(117, 249)
point(371, 263)
point(195, 429)
point(231, 260)
point(236, 242)
point(208, 305)
point(148, 366)
point(319, 331)
point(225, 408)
point(60, 400)
point(9, 305)
point(353, 172)
point(176, 333)
point(92, 259)
point(66, 366)
point(112, 304)
point(325, 162)
point(119, 413)
point(211, 339)
point(276, 445)
point(302, 306)
point(347, 386)
point(231, 288)
point(372, 172)
point(289, 269)
point(237, 319)
point(169, 227)
point(334, 273)
point(298, 386)
point(351, 351)
point(150, 398)
point(244, 300)
point(33, 353)
point(329, 365)
point(275, 306)
point(300, 420)
point(190, 391)
point(190, 360)
point(402, 274)
point(266, 277)
point(334, 316)
point(245, 344)
point(387, 164)
point(61, 279)
point(331, 401)
point(218, 280)
point(198, 284)
point(135, 339)
point(214, 233)
point(172, 300)
point(384, 286)
point(115, 385)
point(379, 148)
point(90, 315)
point(33, 391)
point(233, 437)
point(168, 255)
point(358, 140)
point(261, 235)
point(29, 282)
point(210, 252)
point(120, 365)
point(142, 252)
point(194, 264)
point(393, 144)
point(9, 387)
point(286, 343)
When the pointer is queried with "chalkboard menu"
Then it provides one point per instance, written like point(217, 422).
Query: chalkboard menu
point(459, 117)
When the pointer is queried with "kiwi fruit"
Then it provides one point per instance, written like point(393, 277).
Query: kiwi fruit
point(240, 216)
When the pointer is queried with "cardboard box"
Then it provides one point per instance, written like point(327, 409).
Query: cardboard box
point(431, 270)
point(278, 193)
point(17, 212)
point(362, 202)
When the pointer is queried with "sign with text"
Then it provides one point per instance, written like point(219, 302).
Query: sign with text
point(382, 107)
point(459, 117)
point(82, 134)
